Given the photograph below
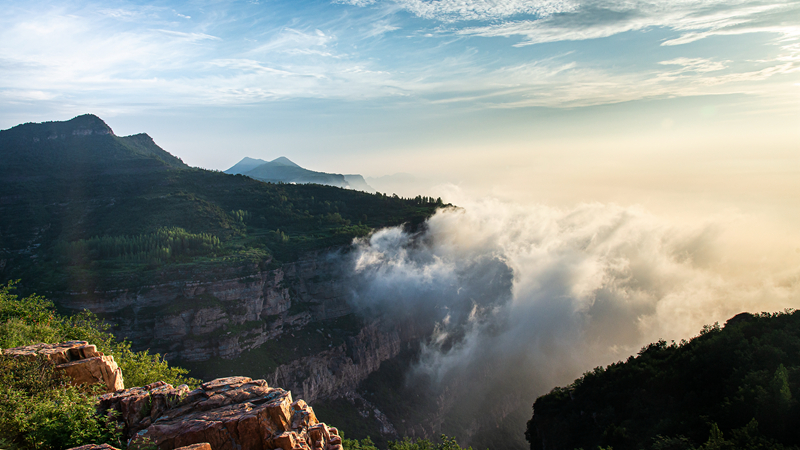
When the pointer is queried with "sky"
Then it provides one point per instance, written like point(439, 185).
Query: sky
point(690, 109)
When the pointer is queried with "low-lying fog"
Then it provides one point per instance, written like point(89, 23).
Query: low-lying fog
point(528, 297)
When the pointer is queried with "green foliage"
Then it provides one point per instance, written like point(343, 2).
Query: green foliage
point(40, 410)
point(738, 381)
point(355, 444)
point(448, 443)
point(30, 320)
point(164, 245)
point(101, 211)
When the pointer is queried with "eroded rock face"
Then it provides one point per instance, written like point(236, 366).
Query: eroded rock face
point(235, 413)
point(223, 315)
point(79, 360)
point(333, 372)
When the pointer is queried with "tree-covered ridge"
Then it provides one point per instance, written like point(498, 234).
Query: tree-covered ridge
point(164, 245)
point(70, 191)
point(731, 387)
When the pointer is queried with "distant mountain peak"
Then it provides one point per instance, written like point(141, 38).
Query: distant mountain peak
point(283, 161)
point(284, 170)
point(245, 165)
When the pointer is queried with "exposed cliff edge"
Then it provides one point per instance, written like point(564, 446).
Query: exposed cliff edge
point(227, 413)
point(78, 360)
point(232, 413)
point(221, 314)
point(231, 313)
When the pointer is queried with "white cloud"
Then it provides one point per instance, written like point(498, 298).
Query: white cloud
point(696, 64)
point(541, 294)
point(380, 28)
point(572, 20)
point(355, 2)
point(247, 65)
point(27, 95)
point(695, 21)
point(114, 54)
point(290, 39)
point(191, 37)
point(459, 10)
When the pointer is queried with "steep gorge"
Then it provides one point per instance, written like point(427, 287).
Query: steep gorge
point(217, 320)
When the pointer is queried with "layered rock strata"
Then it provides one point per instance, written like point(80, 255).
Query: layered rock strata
point(235, 413)
point(331, 373)
point(230, 311)
point(78, 360)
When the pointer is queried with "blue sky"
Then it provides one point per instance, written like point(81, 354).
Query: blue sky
point(594, 99)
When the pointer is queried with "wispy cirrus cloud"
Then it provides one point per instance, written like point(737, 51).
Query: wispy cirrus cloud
point(693, 21)
point(190, 37)
point(696, 64)
point(485, 10)
point(160, 55)
point(537, 22)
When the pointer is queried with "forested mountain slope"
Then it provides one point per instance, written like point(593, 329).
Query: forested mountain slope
point(730, 387)
point(78, 201)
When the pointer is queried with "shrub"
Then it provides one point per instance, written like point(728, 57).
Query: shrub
point(39, 409)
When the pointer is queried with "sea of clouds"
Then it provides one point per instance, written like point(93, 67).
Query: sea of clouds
point(525, 298)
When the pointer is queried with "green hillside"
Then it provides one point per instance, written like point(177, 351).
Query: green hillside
point(728, 388)
point(79, 203)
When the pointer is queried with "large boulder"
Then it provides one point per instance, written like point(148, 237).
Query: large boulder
point(79, 361)
point(235, 413)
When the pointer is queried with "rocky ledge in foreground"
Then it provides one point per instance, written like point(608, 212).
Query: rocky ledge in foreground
point(78, 360)
point(235, 413)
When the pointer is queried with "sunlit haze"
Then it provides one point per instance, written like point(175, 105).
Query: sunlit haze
point(677, 120)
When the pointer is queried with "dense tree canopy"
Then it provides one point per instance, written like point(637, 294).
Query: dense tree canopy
point(731, 387)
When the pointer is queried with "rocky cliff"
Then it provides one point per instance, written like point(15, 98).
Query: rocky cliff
point(78, 360)
point(221, 313)
point(233, 413)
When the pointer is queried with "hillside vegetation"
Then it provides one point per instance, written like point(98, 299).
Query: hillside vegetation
point(39, 409)
point(81, 209)
point(731, 387)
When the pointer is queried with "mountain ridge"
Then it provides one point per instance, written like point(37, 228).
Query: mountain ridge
point(63, 184)
point(284, 170)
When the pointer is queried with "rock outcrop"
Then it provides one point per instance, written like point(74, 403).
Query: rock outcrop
point(231, 310)
point(333, 372)
point(235, 413)
point(79, 361)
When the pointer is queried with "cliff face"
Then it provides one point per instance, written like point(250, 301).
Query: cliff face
point(198, 320)
point(226, 414)
point(339, 370)
point(195, 321)
point(227, 322)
